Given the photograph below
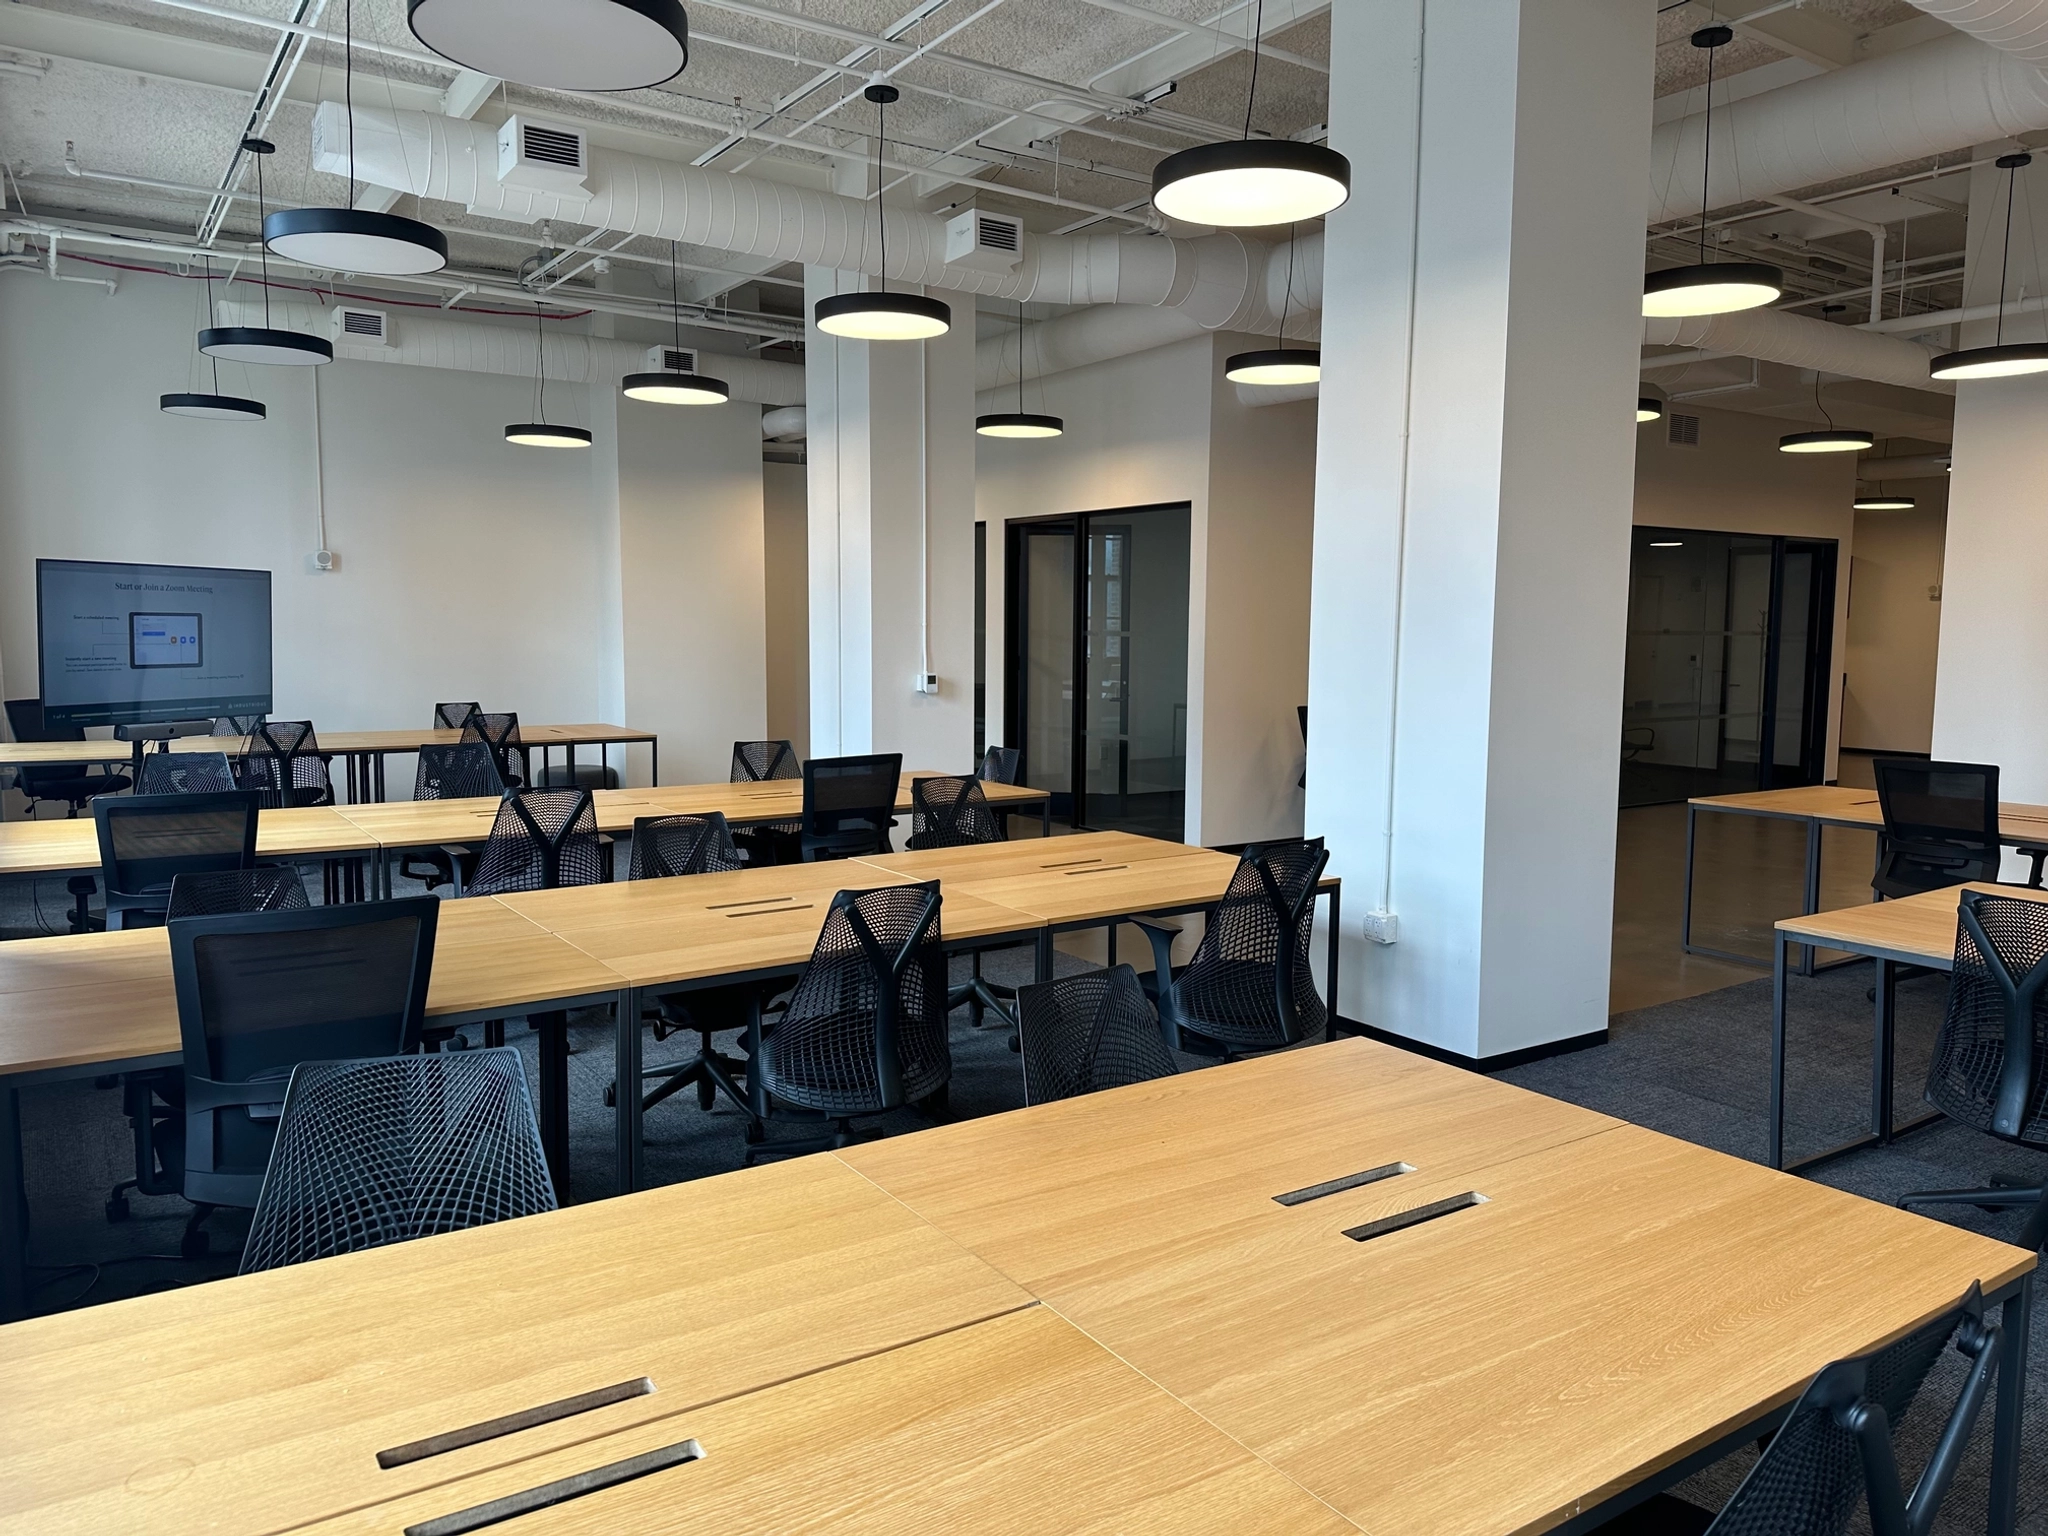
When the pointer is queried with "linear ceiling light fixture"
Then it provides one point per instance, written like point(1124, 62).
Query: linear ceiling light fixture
point(540, 432)
point(1020, 422)
point(675, 387)
point(559, 45)
point(1649, 403)
point(353, 239)
point(1248, 183)
point(1710, 287)
point(215, 406)
point(1282, 364)
point(882, 315)
point(1999, 360)
point(1833, 440)
point(260, 343)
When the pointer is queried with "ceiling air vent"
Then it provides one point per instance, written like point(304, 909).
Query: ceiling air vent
point(671, 360)
point(1682, 431)
point(362, 327)
point(984, 242)
point(543, 157)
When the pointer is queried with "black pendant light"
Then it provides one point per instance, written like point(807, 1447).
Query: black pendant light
point(1248, 183)
point(674, 387)
point(1998, 360)
point(216, 406)
point(1649, 403)
point(1878, 501)
point(260, 343)
point(540, 432)
point(882, 315)
point(559, 45)
point(1282, 364)
point(1710, 287)
point(1833, 440)
point(354, 239)
point(1020, 422)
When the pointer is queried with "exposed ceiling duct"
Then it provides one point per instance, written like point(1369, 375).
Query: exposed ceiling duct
point(787, 424)
point(2017, 27)
point(1772, 336)
point(474, 346)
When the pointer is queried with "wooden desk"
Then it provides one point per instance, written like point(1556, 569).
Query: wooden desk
point(1915, 930)
point(41, 754)
point(765, 800)
point(366, 750)
point(1018, 1426)
point(260, 1402)
point(1621, 1308)
point(72, 844)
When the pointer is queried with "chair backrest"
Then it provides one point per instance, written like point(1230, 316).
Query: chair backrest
point(1835, 1450)
point(392, 1148)
point(998, 765)
point(865, 1029)
point(1087, 1032)
point(283, 764)
point(501, 734)
point(682, 845)
point(1990, 1064)
point(266, 888)
point(260, 992)
point(466, 771)
point(753, 761)
point(951, 813)
point(236, 725)
point(849, 802)
point(146, 841)
point(452, 717)
point(1250, 974)
point(1940, 824)
point(185, 773)
point(540, 839)
point(25, 720)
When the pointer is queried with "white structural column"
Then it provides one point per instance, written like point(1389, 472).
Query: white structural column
point(1474, 482)
point(891, 482)
point(1991, 679)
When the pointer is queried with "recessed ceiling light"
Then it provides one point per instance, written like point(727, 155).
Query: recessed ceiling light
point(559, 45)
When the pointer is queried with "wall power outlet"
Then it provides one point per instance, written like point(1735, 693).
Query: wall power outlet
point(924, 682)
point(1382, 927)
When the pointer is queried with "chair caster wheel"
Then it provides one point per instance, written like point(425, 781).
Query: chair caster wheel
point(194, 1245)
point(611, 1096)
point(117, 1209)
point(755, 1136)
point(706, 1093)
point(1014, 1045)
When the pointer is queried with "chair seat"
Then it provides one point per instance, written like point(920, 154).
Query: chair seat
point(77, 788)
point(827, 1065)
point(1232, 1004)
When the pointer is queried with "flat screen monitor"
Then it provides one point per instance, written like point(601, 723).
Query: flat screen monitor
point(132, 644)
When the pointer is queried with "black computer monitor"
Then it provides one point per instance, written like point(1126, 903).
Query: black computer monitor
point(121, 644)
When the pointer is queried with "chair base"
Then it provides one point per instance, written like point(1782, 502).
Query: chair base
point(2000, 1195)
point(982, 997)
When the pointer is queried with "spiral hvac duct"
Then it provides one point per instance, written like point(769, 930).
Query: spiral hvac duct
point(1933, 99)
point(785, 425)
point(476, 346)
point(2017, 27)
point(1222, 280)
point(1775, 337)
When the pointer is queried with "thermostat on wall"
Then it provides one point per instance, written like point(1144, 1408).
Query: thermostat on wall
point(321, 561)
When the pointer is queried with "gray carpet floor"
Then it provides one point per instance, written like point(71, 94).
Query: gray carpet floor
point(1697, 1069)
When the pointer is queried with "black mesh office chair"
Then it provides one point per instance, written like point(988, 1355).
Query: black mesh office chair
point(865, 1029)
point(501, 734)
point(186, 773)
point(754, 762)
point(147, 841)
point(452, 717)
point(260, 992)
point(463, 772)
point(70, 785)
point(397, 1147)
point(540, 839)
point(998, 765)
point(1087, 1032)
point(1987, 1070)
point(283, 764)
point(236, 725)
point(153, 1099)
point(951, 813)
point(1249, 986)
point(667, 846)
point(1835, 1451)
point(1940, 825)
point(849, 805)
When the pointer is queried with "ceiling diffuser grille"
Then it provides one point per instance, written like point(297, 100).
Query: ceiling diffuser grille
point(1683, 431)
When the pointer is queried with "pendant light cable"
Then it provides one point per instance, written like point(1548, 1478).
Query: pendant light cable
point(1707, 150)
point(540, 367)
point(348, 89)
point(209, 294)
point(262, 253)
point(1252, 90)
point(1287, 296)
point(675, 295)
point(881, 213)
point(2012, 178)
point(1817, 401)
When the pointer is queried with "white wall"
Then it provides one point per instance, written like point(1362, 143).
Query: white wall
point(1895, 625)
point(788, 605)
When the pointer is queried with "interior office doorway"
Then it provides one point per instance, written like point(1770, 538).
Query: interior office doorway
point(1730, 640)
point(1096, 664)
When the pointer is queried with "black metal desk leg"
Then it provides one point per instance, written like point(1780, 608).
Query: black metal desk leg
point(1330, 964)
point(1045, 817)
point(13, 1211)
point(1042, 969)
point(653, 762)
point(569, 757)
point(1777, 1143)
point(626, 1154)
point(2012, 1399)
point(1813, 831)
point(1692, 822)
point(1883, 1058)
point(554, 1097)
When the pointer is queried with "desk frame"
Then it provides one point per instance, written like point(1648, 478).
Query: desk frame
point(1814, 827)
point(365, 770)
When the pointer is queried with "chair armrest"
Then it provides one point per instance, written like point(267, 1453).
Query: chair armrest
point(1161, 935)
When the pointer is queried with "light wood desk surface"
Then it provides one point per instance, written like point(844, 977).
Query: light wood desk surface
point(1015, 1425)
point(1844, 805)
point(783, 799)
point(1914, 930)
point(260, 1402)
point(1085, 893)
point(38, 754)
point(69, 843)
point(1079, 852)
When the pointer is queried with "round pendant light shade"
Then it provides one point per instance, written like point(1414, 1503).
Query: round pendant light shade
point(1711, 288)
point(883, 316)
point(1992, 362)
point(1649, 403)
point(1018, 424)
point(1881, 502)
point(559, 45)
point(675, 389)
point(212, 407)
point(355, 240)
point(1250, 183)
point(1825, 442)
point(1276, 365)
point(542, 434)
point(262, 344)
